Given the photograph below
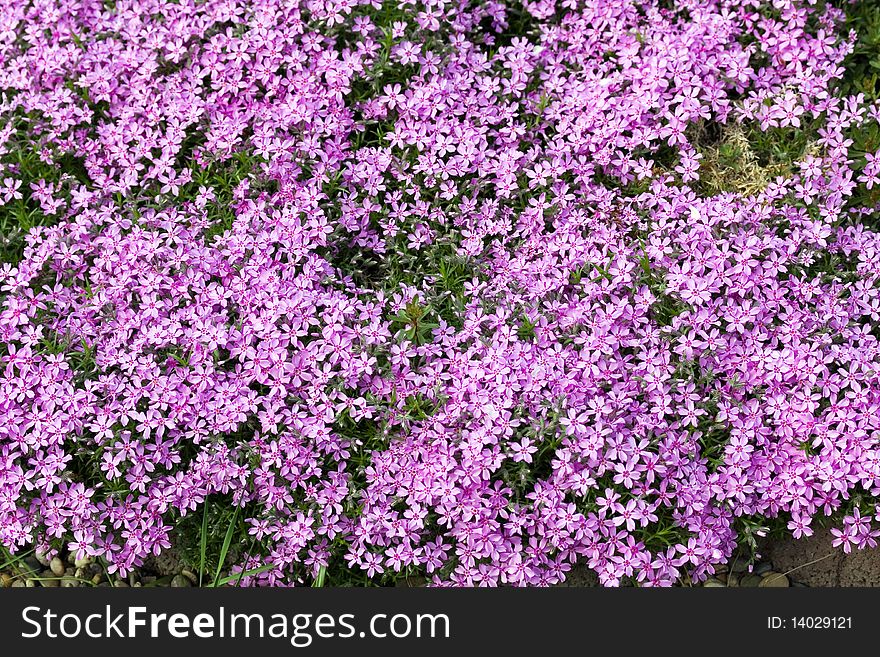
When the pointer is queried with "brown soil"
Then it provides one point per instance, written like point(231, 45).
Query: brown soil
point(814, 562)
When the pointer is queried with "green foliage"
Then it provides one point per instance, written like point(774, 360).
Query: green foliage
point(211, 541)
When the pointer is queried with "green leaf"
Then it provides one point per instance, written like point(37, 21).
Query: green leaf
point(203, 542)
point(247, 573)
point(224, 550)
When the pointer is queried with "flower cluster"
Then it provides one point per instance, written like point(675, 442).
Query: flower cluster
point(432, 286)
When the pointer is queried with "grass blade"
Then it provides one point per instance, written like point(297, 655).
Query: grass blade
point(203, 542)
point(227, 540)
point(13, 560)
point(247, 573)
point(321, 577)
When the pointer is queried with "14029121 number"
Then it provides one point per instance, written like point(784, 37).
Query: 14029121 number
point(821, 622)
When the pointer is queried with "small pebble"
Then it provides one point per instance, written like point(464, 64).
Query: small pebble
point(18, 584)
point(48, 580)
point(750, 581)
point(67, 582)
point(57, 567)
point(732, 580)
point(180, 582)
point(82, 563)
point(41, 558)
point(120, 584)
point(97, 579)
point(190, 576)
point(714, 584)
point(774, 580)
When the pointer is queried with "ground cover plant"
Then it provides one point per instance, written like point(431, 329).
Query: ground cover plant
point(344, 291)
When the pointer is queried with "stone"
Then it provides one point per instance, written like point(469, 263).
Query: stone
point(82, 563)
point(714, 584)
point(750, 581)
point(33, 564)
point(774, 580)
point(68, 582)
point(48, 580)
point(190, 576)
point(42, 558)
point(732, 580)
point(179, 582)
point(57, 567)
point(18, 584)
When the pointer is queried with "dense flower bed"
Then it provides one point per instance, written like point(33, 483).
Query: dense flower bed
point(432, 287)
